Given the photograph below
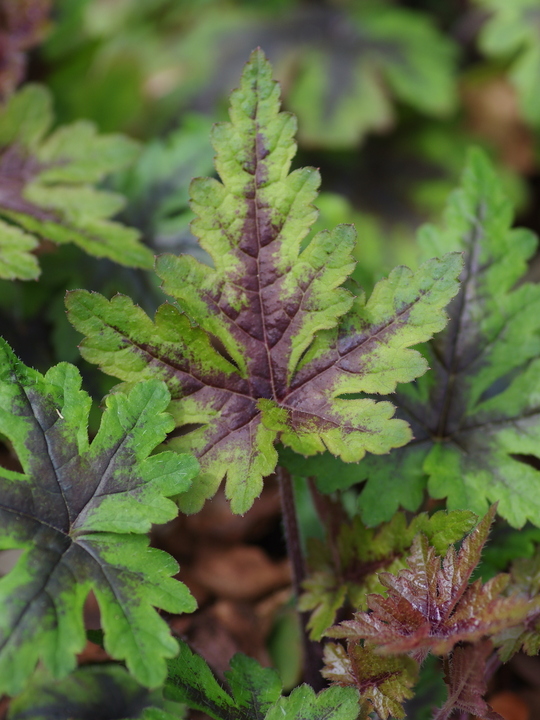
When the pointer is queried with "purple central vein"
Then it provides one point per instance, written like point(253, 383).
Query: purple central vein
point(258, 234)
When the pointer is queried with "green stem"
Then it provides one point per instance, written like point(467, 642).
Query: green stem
point(312, 650)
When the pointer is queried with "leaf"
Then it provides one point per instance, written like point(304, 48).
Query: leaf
point(466, 684)
point(303, 704)
point(16, 259)
point(253, 689)
point(345, 569)
point(79, 511)
point(383, 681)
point(254, 692)
point(90, 692)
point(511, 33)
point(253, 369)
point(23, 23)
point(431, 606)
point(45, 185)
point(476, 415)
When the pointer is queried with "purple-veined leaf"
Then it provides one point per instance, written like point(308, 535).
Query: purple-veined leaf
point(268, 346)
point(80, 512)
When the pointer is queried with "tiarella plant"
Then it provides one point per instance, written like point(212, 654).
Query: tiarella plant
point(258, 364)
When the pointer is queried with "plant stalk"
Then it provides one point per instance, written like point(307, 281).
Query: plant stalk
point(312, 649)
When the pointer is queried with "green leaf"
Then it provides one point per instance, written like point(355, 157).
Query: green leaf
point(512, 34)
point(270, 346)
point(385, 682)
point(89, 692)
point(476, 415)
point(253, 689)
point(253, 693)
point(336, 703)
point(16, 259)
point(363, 553)
point(80, 512)
point(45, 186)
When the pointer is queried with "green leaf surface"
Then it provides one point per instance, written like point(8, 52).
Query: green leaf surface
point(336, 703)
point(16, 259)
point(270, 346)
point(363, 553)
point(46, 186)
point(476, 415)
point(90, 692)
point(252, 688)
point(512, 33)
point(80, 511)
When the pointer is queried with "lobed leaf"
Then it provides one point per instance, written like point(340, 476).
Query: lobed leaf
point(384, 682)
point(430, 606)
point(270, 346)
point(253, 693)
point(345, 569)
point(476, 415)
point(253, 689)
point(45, 186)
point(80, 512)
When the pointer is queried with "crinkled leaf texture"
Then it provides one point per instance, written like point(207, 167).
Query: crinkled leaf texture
point(430, 606)
point(90, 692)
point(512, 32)
point(475, 415)
point(384, 682)
point(278, 344)
point(80, 512)
point(253, 692)
point(363, 553)
point(465, 673)
point(46, 191)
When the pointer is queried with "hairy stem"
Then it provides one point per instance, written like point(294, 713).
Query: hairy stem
point(312, 650)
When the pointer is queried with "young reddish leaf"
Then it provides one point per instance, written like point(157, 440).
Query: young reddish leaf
point(80, 512)
point(346, 568)
point(278, 346)
point(466, 684)
point(431, 606)
point(385, 682)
